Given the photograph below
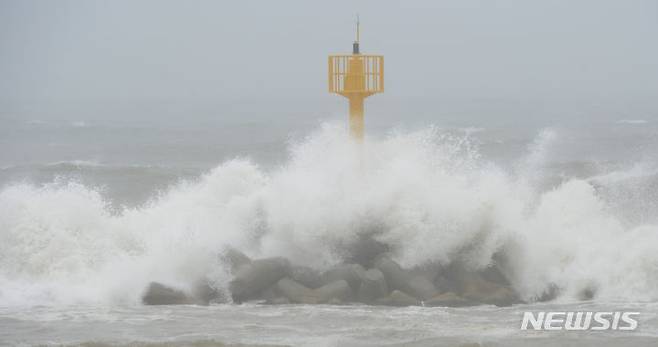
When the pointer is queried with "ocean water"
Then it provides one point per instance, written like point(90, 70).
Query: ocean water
point(92, 211)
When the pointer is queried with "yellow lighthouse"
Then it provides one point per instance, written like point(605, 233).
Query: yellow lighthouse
point(356, 77)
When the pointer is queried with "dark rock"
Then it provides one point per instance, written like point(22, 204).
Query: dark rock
point(306, 276)
point(397, 278)
point(295, 292)
point(398, 298)
point(204, 293)
point(159, 294)
point(476, 288)
point(373, 286)
point(450, 279)
point(352, 273)
point(488, 286)
point(551, 293)
point(365, 249)
point(253, 278)
point(421, 288)
point(494, 274)
point(234, 259)
point(587, 294)
point(335, 291)
point(444, 284)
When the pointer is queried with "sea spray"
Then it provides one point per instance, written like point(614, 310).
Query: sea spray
point(427, 197)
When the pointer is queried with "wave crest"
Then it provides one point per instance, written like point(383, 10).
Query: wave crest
point(427, 197)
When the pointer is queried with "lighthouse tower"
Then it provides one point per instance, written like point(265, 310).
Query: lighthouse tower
point(356, 76)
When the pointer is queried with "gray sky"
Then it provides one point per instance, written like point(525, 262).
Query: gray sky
point(271, 55)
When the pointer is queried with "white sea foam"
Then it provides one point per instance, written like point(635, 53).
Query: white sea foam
point(427, 194)
point(636, 171)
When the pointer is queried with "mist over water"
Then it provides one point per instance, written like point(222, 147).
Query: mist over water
point(432, 196)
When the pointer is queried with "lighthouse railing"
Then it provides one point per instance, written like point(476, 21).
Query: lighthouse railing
point(371, 73)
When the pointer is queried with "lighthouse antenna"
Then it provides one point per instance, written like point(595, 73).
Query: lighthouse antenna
point(357, 28)
point(355, 45)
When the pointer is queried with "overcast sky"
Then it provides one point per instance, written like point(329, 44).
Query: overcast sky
point(272, 54)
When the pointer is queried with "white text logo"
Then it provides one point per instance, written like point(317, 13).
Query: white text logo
point(552, 320)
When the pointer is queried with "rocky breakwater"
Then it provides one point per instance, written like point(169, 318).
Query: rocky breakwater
point(384, 282)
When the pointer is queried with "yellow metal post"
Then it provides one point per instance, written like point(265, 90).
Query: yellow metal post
point(356, 117)
point(356, 77)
